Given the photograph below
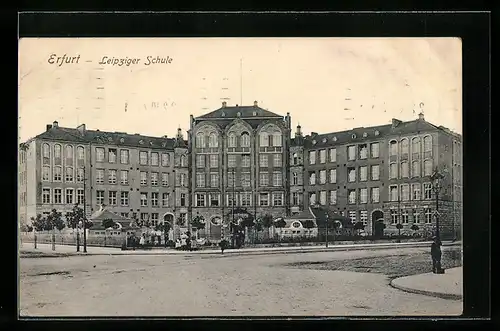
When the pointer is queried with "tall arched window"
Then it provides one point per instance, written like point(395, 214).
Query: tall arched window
point(80, 151)
point(294, 179)
point(393, 171)
point(57, 151)
point(212, 140)
point(427, 144)
point(46, 150)
point(393, 148)
point(427, 168)
point(200, 140)
point(277, 139)
point(69, 152)
point(415, 148)
point(245, 139)
point(264, 139)
point(295, 158)
point(415, 169)
point(404, 146)
point(183, 161)
point(404, 170)
point(231, 139)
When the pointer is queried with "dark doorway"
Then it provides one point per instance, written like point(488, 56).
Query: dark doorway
point(378, 223)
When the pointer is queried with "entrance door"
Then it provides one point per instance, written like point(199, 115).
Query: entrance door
point(378, 223)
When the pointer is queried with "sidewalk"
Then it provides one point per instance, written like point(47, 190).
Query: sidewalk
point(446, 286)
point(91, 250)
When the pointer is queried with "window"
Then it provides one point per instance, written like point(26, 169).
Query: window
point(144, 178)
point(124, 177)
point(277, 179)
point(165, 197)
point(264, 139)
point(99, 176)
point(200, 200)
point(427, 168)
point(214, 199)
point(154, 159)
point(322, 176)
point(144, 218)
point(277, 198)
point(351, 175)
point(333, 176)
point(112, 198)
point(144, 199)
point(200, 140)
point(100, 197)
point(263, 199)
point(112, 176)
point(124, 156)
point(352, 216)
point(57, 195)
point(415, 148)
point(415, 169)
point(394, 216)
point(322, 198)
point(295, 198)
point(393, 171)
point(183, 161)
point(277, 162)
point(183, 199)
point(375, 172)
point(164, 179)
point(363, 195)
point(124, 198)
point(200, 161)
point(263, 160)
point(374, 150)
point(264, 179)
point(182, 179)
point(363, 152)
point(231, 161)
point(112, 155)
point(363, 173)
point(405, 192)
point(99, 151)
point(312, 178)
point(46, 174)
point(245, 140)
point(333, 155)
point(404, 216)
point(427, 191)
point(415, 214)
point(404, 170)
point(415, 189)
point(405, 148)
point(80, 195)
point(154, 199)
point(428, 216)
point(143, 158)
point(154, 179)
point(231, 199)
point(363, 217)
point(352, 196)
point(312, 198)
point(214, 180)
point(230, 179)
point(427, 145)
point(393, 148)
point(165, 160)
point(277, 139)
point(231, 140)
point(245, 161)
point(46, 195)
point(351, 153)
point(57, 151)
point(57, 174)
point(295, 179)
point(322, 156)
point(69, 153)
point(212, 140)
point(312, 157)
point(333, 197)
point(245, 179)
point(214, 161)
point(393, 193)
point(69, 196)
point(154, 219)
point(246, 199)
point(295, 159)
point(200, 180)
point(46, 151)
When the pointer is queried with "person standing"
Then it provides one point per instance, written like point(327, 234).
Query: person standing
point(436, 255)
point(142, 241)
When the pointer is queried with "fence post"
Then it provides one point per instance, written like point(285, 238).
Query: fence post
point(53, 242)
point(35, 241)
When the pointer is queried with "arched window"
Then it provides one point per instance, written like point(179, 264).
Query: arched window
point(80, 151)
point(183, 161)
point(231, 139)
point(200, 140)
point(415, 170)
point(393, 150)
point(393, 171)
point(415, 148)
point(69, 152)
point(46, 150)
point(57, 151)
point(212, 140)
point(427, 144)
point(277, 139)
point(245, 139)
point(264, 139)
point(404, 146)
point(295, 158)
point(295, 179)
point(404, 170)
point(427, 168)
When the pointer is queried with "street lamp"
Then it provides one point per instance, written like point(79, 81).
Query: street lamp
point(436, 186)
point(326, 225)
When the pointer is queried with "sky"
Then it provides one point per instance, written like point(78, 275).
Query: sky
point(326, 84)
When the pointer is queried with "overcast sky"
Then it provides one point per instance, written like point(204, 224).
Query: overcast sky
point(327, 84)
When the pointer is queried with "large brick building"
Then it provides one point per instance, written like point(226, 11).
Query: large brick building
point(243, 159)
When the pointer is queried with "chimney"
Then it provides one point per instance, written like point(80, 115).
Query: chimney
point(81, 129)
point(224, 104)
point(255, 104)
point(395, 122)
point(55, 124)
point(49, 126)
point(421, 116)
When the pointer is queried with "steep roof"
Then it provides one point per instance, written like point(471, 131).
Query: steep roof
point(245, 112)
point(104, 214)
point(58, 133)
point(320, 213)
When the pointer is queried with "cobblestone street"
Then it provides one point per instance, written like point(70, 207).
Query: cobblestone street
point(216, 285)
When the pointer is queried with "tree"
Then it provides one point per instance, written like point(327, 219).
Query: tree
point(55, 221)
point(198, 222)
point(164, 227)
point(399, 226)
point(74, 217)
point(280, 223)
point(267, 221)
point(308, 224)
point(39, 223)
point(181, 221)
point(414, 227)
point(359, 226)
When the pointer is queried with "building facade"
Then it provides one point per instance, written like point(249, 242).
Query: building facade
point(241, 160)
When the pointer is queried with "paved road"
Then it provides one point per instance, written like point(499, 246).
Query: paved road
point(197, 285)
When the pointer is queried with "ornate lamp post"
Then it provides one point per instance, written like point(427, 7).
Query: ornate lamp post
point(436, 179)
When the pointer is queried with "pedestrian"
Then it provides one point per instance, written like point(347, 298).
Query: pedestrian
point(222, 245)
point(142, 241)
point(436, 255)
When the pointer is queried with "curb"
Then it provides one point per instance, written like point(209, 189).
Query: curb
point(447, 296)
